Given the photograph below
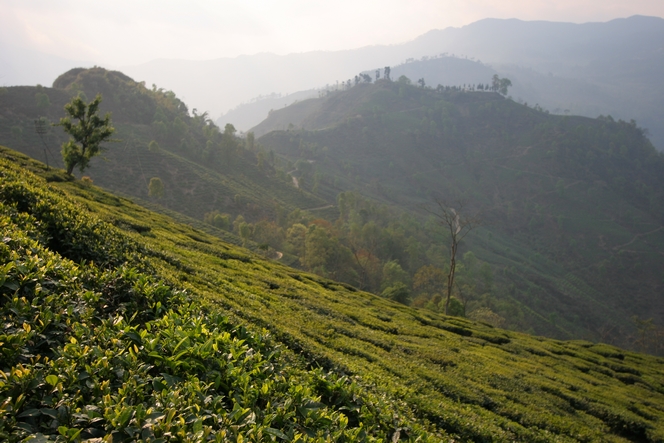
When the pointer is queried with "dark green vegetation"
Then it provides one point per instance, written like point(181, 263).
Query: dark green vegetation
point(573, 207)
point(202, 168)
point(87, 133)
point(117, 319)
point(97, 341)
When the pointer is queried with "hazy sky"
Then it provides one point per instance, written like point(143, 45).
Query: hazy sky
point(121, 32)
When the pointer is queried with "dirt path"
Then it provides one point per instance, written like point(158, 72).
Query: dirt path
point(296, 182)
point(319, 208)
point(636, 237)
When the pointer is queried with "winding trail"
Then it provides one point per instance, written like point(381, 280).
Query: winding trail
point(615, 248)
point(296, 182)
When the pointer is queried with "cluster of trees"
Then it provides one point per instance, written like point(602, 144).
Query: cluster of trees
point(371, 247)
point(362, 77)
point(500, 85)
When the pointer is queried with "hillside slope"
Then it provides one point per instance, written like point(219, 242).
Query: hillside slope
point(572, 206)
point(202, 168)
point(122, 269)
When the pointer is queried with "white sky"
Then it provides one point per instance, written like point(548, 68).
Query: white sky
point(124, 32)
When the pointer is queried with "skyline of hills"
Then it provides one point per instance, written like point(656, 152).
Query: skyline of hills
point(587, 69)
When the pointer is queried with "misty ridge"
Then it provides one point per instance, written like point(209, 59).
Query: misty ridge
point(613, 68)
point(590, 69)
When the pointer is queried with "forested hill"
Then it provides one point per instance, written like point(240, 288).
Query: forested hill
point(571, 241)
point(121, 324)
point(203, 168)
point(573, 207)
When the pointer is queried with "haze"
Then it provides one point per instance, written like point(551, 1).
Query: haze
point(126, 32)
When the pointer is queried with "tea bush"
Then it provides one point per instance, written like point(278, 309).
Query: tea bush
point(100, 349)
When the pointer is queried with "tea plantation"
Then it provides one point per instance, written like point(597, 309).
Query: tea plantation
point(120, 324)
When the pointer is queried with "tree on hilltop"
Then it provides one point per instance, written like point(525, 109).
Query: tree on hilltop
point(86, 135)
point(500, 84)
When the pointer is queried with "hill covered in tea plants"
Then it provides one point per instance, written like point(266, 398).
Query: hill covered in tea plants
point(203, 168)
point(571, 241)
point(121, 322)
point(572, 207)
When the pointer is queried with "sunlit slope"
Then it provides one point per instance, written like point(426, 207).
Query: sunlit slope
point(467, 380)
point(202, 170)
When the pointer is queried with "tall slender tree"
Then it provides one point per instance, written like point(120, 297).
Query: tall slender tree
point(87, 133)
point(458, 224)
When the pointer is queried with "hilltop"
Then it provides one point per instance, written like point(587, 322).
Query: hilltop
point(590, 69)
point(121, 322)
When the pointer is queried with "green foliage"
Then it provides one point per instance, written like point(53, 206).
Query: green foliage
point(87, 134)
point(398, 292)
point(42, 100)
point(572, 205)
point(456, 308)
point(118, 351)
point(218, 219)
point(156, 188)
point(200, 178)
point(89, 352)
point(578, 265)
point(153, 146)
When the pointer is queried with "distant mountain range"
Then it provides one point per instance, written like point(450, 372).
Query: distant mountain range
point(585, 69)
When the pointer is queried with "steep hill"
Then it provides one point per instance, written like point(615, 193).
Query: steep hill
point(572, 206)
point(203, 169)
point(121, 323)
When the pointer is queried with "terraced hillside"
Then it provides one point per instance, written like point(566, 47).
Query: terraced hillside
point(572, 240)
point(121, 322)
point(572, 206)
point(202, 168)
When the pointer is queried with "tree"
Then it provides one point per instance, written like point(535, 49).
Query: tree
point(495, 83)
point(404, 80)
point(251, 141)
point(86, 135)
point(458, 224)
point(156, 188)
point(504, 84)
point(500, 84)
point(387, 72)
point(399, 293)
point(153, 146)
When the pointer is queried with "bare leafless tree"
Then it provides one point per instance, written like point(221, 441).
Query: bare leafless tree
point(455, 219)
